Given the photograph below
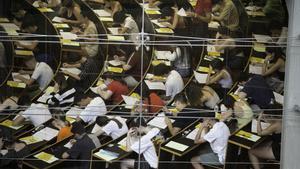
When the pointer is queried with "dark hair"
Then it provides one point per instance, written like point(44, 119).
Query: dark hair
point(166, 11)
point(61, 81)
point(194, 94)
point(84, 13)
point(275, 24)
point(113, 76)
point(183, 4)
point(136, 122)
point(243, 77)
point(28, 21)
point(223, 30)
point(216, 1)
point(180, 97)
point(145, 89)
point(104, 120)
point(119, 17)
point(79, 95)
point(229, 101)
point(276, 50)
point(68, 3)
point(161, 69)
point(24, 100)
point(217, 64)
point(77, 128)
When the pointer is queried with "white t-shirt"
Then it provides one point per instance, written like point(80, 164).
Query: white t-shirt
point(133, 29)
point(112, 129)
point(145, 146)
point(218, 138)
point(95, 108)
point(174, 84)
point(42, 74)
point(37, 114)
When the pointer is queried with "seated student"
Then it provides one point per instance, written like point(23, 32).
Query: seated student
point(256, 89)
point(131, 65)
point(180, 24)
point(139, 140)
point(37, 114)
point(174, 82)
point(115, 89)
point(129, 26)
point(89, 72)
point(111, 5)
point(274, 10)
point(161, 3)
point(62, 124)
point(63, 94)
point(89, 32)
point(202, 96)
point(151, 100)
point(229, 16)
point(216, 134)
point(181, 60)
point(269, 150)
point(279, 33)
point(82, 147)
point(49, 3)
point(234, 56)
point(221, 76)
point(274, 63)
point(114, 127)
point(182, 118)
point(42, 74)
point(93, 106)
point(14, 150)
point(239, 109)
point(71, 12)
point(13, 102)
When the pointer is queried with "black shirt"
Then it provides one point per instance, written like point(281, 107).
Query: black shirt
point(185, 118)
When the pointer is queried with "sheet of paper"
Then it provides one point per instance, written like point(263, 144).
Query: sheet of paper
point(254, 125)
point(130, 101)
point(115, 69)
point(115, 63)
point(9, 26)
point(192, 135)
point(31, 139)
point(44, 98)
point(24, 52)
point(46, 157)
point(69, 42)
point(203, 69)
point(72, 70)
point(159, 121)
point(152, 12)
point(36, 4)
point(61, 25)
point(278, 98)
point(106, 19)
point(165, 30)
point(96, 128)
point(262, 38)
point(3, 20)
point(213, 24)
point(162, 54)
point(155, 85)
point(9, 123)
point(68, 35)
point(58, 19)
point(70, 119)
point(259, 47)
point(46, 133)
point(44, 10)
point(255, 69)
point(253, 8)
point(248, 136)
point(181, 12)
point(177, 146)
point(3, 152)
point(102, 13)
point(115, 38)
point(15, 84)
point(114, 31)
point(123, 142)
point(240, 88)
point(106, 155)
point(159, 24)
point(12, 32)
point(14, 74)
point(256, 13)
point(25, 42)
point(68, 145)
point(74, 112)
point(146, 6)
point(200, 77)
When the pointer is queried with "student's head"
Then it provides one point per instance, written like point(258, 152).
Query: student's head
point(229, 101)
point(180, 101)
point(138, 124)
point(83, 99)
point(217, 65)
point(85, 15)
point(102, 120)
point(119, 17)
point(29, 24)
point(275, 28)
point(194, 94)
point(243, 78)
point(211, 122)
point(166, 12)
point(274, 51)
point(60, 81)
point(68, 3)
point(161, 69)
point(78, 129)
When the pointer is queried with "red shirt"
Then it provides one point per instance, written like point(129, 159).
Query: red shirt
point(156, 103)
point(118, 89)
point(203, 6)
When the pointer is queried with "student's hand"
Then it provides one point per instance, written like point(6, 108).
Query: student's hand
point(165, 109)
point(167, 24)
point(66, 65)
point(18, 77)
point(210, 69)
point(205, 124)
point(131, 132)
point(72, 141)
point(64, 20)
point(260, 116)
point(116, 58)
point(66, 72)
point(191, 14)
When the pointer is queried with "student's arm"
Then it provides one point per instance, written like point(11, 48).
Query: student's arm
point(65, 155)
point(175, 20)
point(67, 65)
point(199, 139)
point(32, 46)
point(269, 130)
point(206, 18)
point(154, 3)
point(77, 13)
point(18, 121)
point(105, 94)
point(215, 78)
point(124, 30)
point(242, 95)
point(268, 71)
point(172, 130)
point(77, 77)
point(99, 133)
point(26, 81)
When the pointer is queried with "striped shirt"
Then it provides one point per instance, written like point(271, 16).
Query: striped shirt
point(230, 15)
point(63, 98)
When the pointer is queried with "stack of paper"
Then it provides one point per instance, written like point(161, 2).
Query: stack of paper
point(48, 158)
point(14, 74)
point(44, 98)
point(68, 35)
point(115, 63)
point(106, 19)
point(115, 69)
point(15, 84)
point(96, 128)
point(46, 133)
point(254, 125)
point(213, 24)
point(130, 101)
point(203, 69)
point(31, 139)
point(181, 12)
point(74, 112)
point(60, 25)
point(248, 136)
point(115, 38)
point(155, 85)
point(165, 30)
point(262, 38)
point(3, 20)
point(114, 31)
point(160, 24)
point(58, 19)
point(159, 121)
point(278, 98)
point(152, 12)
point(177, 146)
point(256, 69)
point(146, 6)
point(9, 123)
point(102, 13)
point(44, 10)
point(200, 77)
point(72, 70)
point(107, 155)
point(163, 54)
point(24, 52)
